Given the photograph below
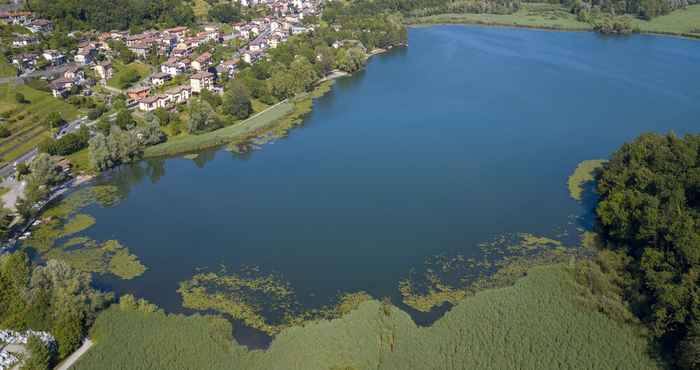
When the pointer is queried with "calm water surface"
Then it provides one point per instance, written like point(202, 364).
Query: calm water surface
point(467, 134)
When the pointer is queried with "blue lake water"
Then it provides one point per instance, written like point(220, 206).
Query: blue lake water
point(468, 133)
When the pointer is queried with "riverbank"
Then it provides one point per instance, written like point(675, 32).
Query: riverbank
point(681, 23)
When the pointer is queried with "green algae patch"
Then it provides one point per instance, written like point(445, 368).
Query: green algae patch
point(263, 302)
point(87, 255)
point(584, 173)
point(78, 223)
point(82, 253)
point(450, 279)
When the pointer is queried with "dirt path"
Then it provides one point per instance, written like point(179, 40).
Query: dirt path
point(70, 361)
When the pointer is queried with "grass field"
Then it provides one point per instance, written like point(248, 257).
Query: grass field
point(534, 15)
point(120, 69)
point(191, 143)
point(6, 68)
point(682, 22)
point(25, 121)
point(535, 324)
point(685, 22)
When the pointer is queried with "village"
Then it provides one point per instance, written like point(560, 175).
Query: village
point(67, 71)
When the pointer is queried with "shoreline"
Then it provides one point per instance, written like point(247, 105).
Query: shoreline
point(222, 137)
point(466, 22)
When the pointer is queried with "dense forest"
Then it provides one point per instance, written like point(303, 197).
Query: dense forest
point(114, 14)
point(650, 209)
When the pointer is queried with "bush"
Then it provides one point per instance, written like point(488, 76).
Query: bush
point(66, 145)
point(5, 132)
point(20, 99)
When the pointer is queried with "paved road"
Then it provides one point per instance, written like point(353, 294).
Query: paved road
point(48, 73)
point(70, 361)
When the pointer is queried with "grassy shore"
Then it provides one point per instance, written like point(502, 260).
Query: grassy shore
point(544, 16)
point(536, 323)
point(278, 118)
point(192, 143)
point(681, 22)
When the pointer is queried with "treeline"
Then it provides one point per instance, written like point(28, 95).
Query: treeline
point(649, 210)
point(53, 298)
point(107, 15)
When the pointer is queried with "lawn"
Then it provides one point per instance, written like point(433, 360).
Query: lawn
point(142, 69)
point(6, 68)
point(680, 22)
point(530, 15)
point(80, 161)
point(537, 323)
point(25, 121)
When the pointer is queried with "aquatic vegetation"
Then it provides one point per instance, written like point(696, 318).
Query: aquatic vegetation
point(106, 195)
point(264, 302)
point(78, 223)
point(584, 173)
point(532, 324)
point(449, 279)
point(83, 253)
point(87, 255)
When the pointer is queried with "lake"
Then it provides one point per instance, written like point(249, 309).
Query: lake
point(467, 134)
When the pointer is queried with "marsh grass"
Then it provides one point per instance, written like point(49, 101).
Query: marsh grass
point(584, 173)
point(536, 323)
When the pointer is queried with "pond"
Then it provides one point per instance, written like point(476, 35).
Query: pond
point(467, 134)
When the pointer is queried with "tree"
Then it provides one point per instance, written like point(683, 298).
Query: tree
point(225, 13)
point(120, 146)
point(202, 117)
point(212, 98)
point(54, 120)
point(40, 355)
point(150, 133)
point(237, 101)
point(128, 78)
point(325, 59)
point(125, 120)
point(648, 208)
point(103, 126)
point(68, 144)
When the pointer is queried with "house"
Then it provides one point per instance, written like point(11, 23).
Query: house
point(173, 67)
point(179, 94)
point(40, 26)
point(140, 49)
point(21, 41)
point(25, 61)
point(15, 17)
point(150, 103)
point(73, 72)
point(202, 81)
point(138, 93)
point(60, 88)
point(83, 56)
point(159, 79)
point(54, 57)
point(104, 70)
point(178, 32)
point(227, 67)
point(202, 62)
point(251, 57)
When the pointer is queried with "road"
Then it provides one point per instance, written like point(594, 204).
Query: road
point(70, 361)
point(48, 73)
